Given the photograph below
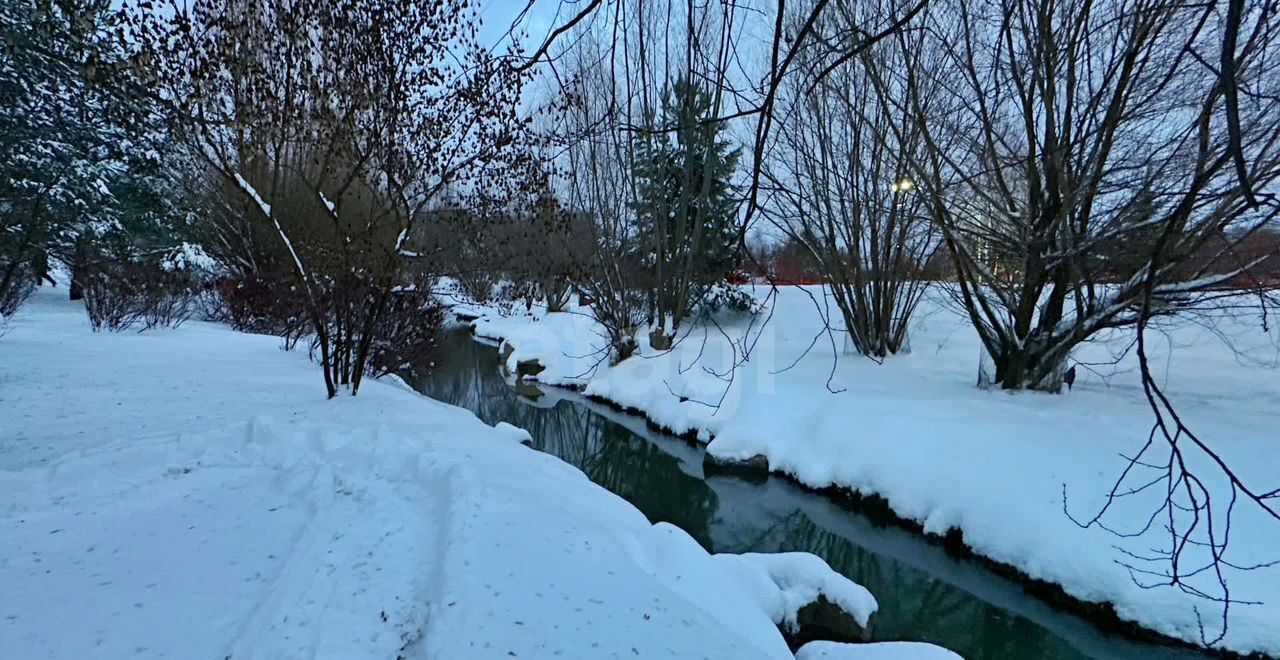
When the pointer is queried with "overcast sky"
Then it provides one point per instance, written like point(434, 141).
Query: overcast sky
point(498, 16)
point(545, 15)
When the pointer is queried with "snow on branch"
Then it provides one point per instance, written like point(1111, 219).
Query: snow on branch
point(266, 211)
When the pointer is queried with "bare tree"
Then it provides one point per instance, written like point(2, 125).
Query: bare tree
point(460, 243)
point(550, 247)
point(599, 186)
point(1072, 129)
point(1199, 491)
point(649, 46)
point(840, 186)
point(341, 122)
point(1087, 165)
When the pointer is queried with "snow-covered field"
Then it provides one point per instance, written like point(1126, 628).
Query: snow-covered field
point(994, 465)
point(189, 493)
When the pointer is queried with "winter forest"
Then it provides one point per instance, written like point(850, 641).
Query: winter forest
point(808, 329)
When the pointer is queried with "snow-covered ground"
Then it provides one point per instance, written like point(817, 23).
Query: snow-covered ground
point(881, 651)
point(943, 453)
point(190, 493)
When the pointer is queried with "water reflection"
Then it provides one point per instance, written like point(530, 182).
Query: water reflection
point(924, 594)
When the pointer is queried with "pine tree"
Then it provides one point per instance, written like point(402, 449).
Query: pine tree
point(72, 127)
point(686, 205)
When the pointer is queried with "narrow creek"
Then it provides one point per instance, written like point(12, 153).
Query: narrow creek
point(924, 593)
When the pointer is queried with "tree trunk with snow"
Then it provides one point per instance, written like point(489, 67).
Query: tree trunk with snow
point(1022, 368)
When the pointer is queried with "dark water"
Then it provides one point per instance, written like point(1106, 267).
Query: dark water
point(924, 594)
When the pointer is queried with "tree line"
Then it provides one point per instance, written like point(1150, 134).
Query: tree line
point(1059, 163)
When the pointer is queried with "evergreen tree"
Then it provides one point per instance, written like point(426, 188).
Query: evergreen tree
point(686, 205)
point(75, 138)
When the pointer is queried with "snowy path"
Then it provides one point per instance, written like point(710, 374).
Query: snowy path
point(190, 493)
point(234, 540)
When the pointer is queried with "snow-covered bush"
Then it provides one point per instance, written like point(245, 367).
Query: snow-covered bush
point(193, 260)
point(726, 298)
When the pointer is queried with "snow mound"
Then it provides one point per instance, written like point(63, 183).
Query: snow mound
point(565, 344)
point(880, 651)
point(781, 584)
point(513, 433)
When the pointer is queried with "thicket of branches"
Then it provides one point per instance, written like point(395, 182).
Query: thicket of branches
point(1070, 132)
point(530, 249)
point(338, 125)
point(119, 295)
point(840, 186)
point(648, 170)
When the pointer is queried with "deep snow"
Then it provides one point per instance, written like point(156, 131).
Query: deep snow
point(947, 455)
point(783, 583)
point(881, 651)
point(190, 493)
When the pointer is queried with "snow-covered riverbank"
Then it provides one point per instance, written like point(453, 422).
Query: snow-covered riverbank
point(190, 493)
point(948, 456)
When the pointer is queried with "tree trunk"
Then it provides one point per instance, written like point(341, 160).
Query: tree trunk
point(76, 291)
point(1023, 368)
point(623, 348)
point(659, 340)
point(372, 318)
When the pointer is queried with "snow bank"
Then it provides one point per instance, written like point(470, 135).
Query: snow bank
point(946, 455)
point(785, 582)
point(513, 433)
point(565, 343)
point(880, 651)
point(191, 493)
point(450, 294)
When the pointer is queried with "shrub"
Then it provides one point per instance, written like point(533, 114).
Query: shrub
point(262, 304)
point(724, 297)
point(407, 337)
point(125, 294)
point(477, 284)
point(16, 291)
point(401, 330)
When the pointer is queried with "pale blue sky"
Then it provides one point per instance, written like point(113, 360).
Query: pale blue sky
point(498, 16)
